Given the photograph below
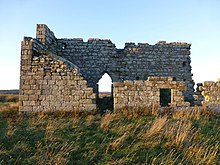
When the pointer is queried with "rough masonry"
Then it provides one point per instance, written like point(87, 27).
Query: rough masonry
point(155, 91)
point(51, 83)
point(63, 73)
point(208, 93)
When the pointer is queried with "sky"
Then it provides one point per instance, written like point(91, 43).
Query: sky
point(140, 21)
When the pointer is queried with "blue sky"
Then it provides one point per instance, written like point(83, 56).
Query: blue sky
point(193, 21)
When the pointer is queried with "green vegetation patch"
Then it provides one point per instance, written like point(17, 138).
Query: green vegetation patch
point(126, 137)
point(3, 104)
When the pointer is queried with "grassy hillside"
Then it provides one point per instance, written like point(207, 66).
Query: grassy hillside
point(132, 136)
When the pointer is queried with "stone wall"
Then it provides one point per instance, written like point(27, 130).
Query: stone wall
point(198, 97)
point(50, 79)
point(93, 58)
point(50, 83)
point(146, 93)
point(134, 62)
point(210, 91)
point(46, 37)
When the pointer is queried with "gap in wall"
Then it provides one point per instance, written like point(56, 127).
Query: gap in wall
point(105, 99)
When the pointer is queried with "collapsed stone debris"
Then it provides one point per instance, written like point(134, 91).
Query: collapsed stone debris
point(62, 74)
point(208, 94)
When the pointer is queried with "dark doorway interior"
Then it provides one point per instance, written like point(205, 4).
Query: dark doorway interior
point(165, 97)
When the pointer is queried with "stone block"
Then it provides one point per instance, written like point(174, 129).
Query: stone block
point(25, 103)
point(34, 87)
point(208, 83)
point(37, 108)
point(118, 84)
point(51, 82)
point(77, 98)
point(148, 83)
point(153, 78)
point(23, 97)
point(29, 92)
point(89, 107)
point(33, 97)
point(138, 82)
point(25, 87)
point(128, 83)
point(141, 88)
point(90, 95)
point(25, 108)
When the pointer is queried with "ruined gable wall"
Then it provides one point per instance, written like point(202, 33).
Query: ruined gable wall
point(146, 93)
point(49, 83)
point(93, 57)
point(211, 93)
point(134, 62)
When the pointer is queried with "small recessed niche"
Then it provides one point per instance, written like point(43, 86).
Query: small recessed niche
point(184, 63)
point(137, 78)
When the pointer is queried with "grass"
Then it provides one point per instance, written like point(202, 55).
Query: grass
point(130, 136)
point(8, 102)
point(9, 98)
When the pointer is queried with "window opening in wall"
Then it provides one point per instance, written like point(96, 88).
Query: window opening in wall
point(137, 78)
point(184, 63)
point(105, 94)
point(165, 97)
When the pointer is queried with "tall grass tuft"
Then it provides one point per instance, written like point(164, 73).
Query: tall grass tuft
point(106, 120)
point(157, 126)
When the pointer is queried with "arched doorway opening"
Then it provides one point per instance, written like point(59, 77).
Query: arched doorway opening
point(105, 93)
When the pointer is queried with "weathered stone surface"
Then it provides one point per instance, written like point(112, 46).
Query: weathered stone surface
point(42, 88)
point(69, 69)
point(208, 94)
point(147, 93)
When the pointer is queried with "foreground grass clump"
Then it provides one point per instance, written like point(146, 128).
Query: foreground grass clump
point(130, 136)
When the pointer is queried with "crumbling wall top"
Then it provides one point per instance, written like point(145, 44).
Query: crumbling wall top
point(134, 62)
point(160, 44)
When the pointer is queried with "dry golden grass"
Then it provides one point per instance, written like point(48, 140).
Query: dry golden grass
point(129, 136)
point(192, 113)
point(9, 102)
point(117, 142)
point(179, 132)
point(9, 106)
point(157, 126)
point(106, 120)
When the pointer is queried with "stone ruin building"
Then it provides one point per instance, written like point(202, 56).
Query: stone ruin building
point(62, 74)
